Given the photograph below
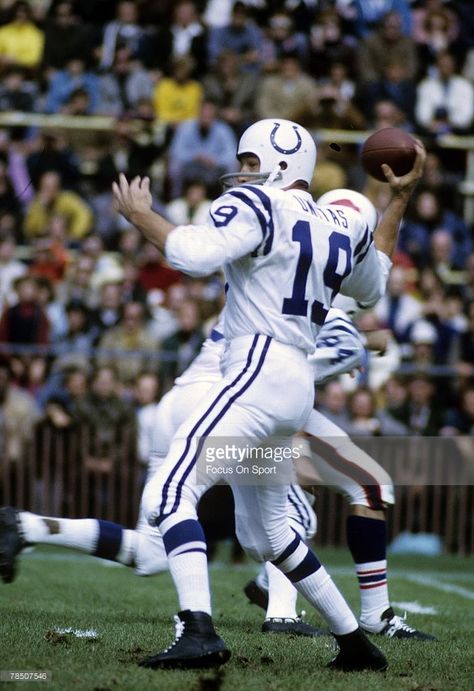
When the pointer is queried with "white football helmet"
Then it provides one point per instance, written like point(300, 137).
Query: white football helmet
point(286, 151)
point(354, 200)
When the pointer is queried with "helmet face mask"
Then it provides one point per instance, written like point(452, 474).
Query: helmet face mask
point(286, 151)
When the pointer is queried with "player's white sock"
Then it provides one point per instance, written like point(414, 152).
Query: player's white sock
point(282, 594)
point(311, 579)
point(101, 538)
point(79, 534)
point(185, 546)
point(323, 594)
point(374, 600)
point(262, 578)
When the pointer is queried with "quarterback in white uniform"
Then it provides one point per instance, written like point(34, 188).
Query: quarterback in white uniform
point(284, 263)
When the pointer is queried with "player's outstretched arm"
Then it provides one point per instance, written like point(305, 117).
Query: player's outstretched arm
point(133, 200)
point(402, 187)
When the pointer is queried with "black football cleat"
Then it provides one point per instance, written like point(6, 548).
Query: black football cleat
point(256, 595)
point(357, 653)
point(196, 646)
point(396, 627)
point(294, 627)
point(11, 542)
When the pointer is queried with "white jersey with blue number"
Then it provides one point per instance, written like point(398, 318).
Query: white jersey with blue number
point(284, 259)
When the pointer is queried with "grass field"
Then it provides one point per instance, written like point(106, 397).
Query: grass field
point(132, 617)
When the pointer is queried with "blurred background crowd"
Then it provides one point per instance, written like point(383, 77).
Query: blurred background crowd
point(94, 326)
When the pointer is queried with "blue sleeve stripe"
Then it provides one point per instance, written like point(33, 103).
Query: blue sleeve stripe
point(340, 327)
point(361, 256)
point(361, 244)
point(261, 218)
point(267, 205)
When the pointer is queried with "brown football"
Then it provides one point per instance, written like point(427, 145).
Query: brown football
point(389, 145)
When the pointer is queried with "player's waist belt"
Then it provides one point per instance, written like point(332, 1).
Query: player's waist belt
point(216, 335)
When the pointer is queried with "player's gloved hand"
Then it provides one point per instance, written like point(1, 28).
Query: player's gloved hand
point(339, 348)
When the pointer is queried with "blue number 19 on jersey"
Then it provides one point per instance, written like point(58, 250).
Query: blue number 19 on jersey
point(297, 304)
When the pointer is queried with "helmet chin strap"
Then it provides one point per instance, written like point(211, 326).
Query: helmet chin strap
point(274, 175)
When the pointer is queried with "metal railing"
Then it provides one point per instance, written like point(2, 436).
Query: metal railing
point(80, 473)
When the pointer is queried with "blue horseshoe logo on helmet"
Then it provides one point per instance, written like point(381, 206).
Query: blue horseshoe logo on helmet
point(278, 148)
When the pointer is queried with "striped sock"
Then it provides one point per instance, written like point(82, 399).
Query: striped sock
point(186, 549)
point(311, 579)
point(366, 538)
point(372, 577)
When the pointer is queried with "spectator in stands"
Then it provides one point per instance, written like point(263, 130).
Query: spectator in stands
point(440, 182)
point(468, 288)
point(423, 340)
point(329, 44)
point(445, 101)
point(395, 86)
point(183, 35)
point(290, 93)
point(18, 416)
point(365, 420)
point(386, 45)
point(21, 42)
point(334, 111)
point(67, 81)
point(103, 408)
point(108, 418)
point(108, 312)
point(123, 32)
point(241, 35)
point(439, 36)
point(51, 200)
point(132, 289)
point(50, 257)
point(332, 402)
point(461, 420)
point(25, 322)
point(123, 85)
point(66, 38)
point(146, 394)
point(124, 341)
point(203, 148)
point(369, 14)
point(10, 204)
point(15, 92)
point(465, 366)
point(78, 338)
point(192, 208)
point(177, 97)
point(180, 349)
point(423, 31)
point(427, 217)
point(395, 396)
point(282, 39)
point(421, 414)
point(77, 284)
point(388, 114)
point(10, 270)
point(154, 272)
point(397, 309)
point(61, 406)
point(51, 151)
point(232, 90)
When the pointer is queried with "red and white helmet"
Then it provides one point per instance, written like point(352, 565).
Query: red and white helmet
point(286, 151)
point(354, 200)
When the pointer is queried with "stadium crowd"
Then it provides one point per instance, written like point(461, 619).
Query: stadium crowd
point(94, 326)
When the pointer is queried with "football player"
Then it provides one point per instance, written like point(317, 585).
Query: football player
point(285, 260)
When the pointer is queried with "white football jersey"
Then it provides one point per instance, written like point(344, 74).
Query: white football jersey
point(284, 260)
